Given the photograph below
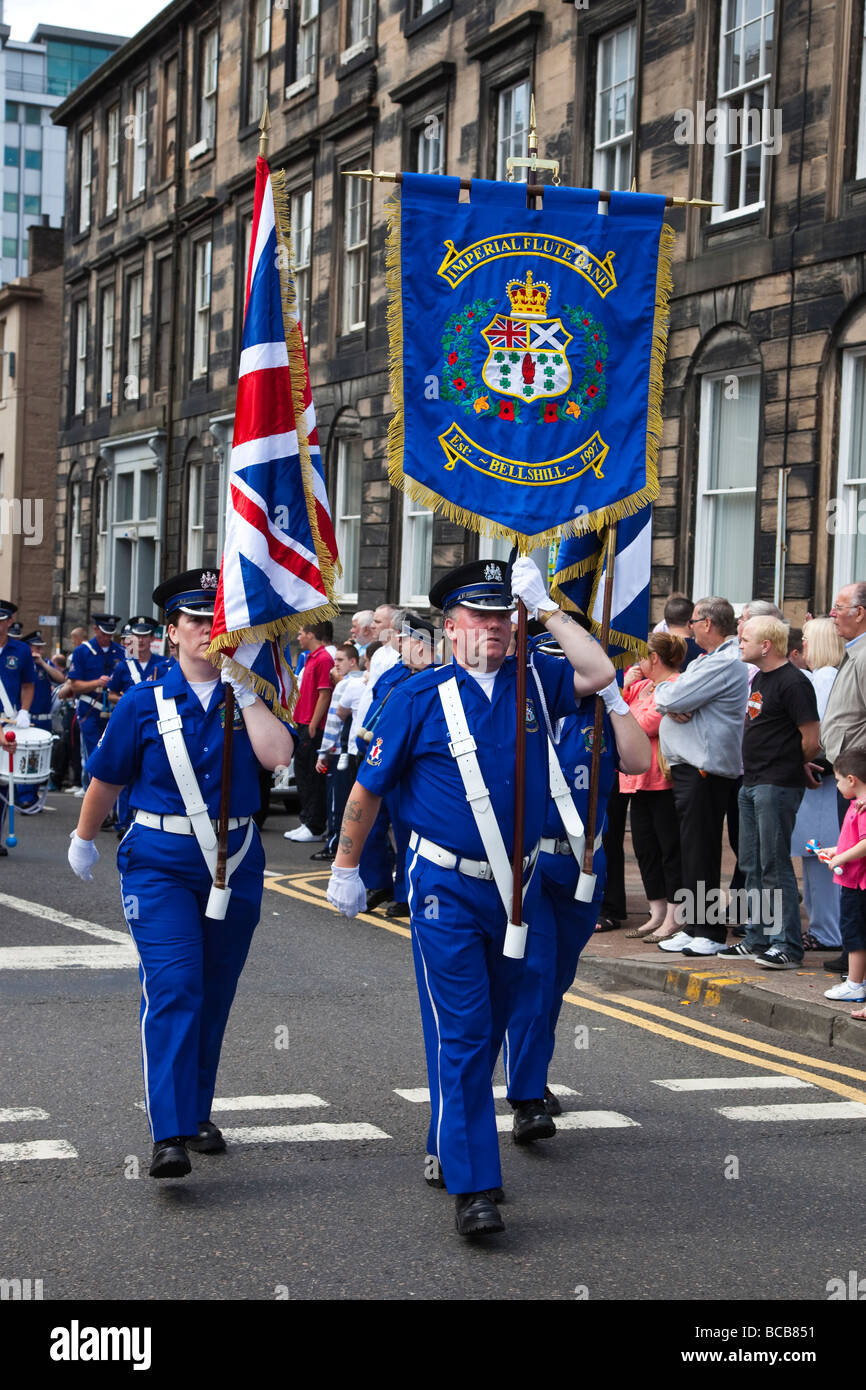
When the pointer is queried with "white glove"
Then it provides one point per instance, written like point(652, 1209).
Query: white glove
point(528, 585)
point(22, 719)
point(244, 697)
point(613, 701)
point(346, 892)
point(82, 856)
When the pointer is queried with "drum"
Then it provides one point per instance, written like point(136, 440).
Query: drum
point(31, 761)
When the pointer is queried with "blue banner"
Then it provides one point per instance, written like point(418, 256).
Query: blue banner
point(526, 354)
point(581, 575)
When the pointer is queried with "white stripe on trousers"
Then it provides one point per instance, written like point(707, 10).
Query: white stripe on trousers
point(432, 1006)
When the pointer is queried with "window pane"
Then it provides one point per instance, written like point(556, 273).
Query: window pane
point(734, 435)
point(123, 496)
point(147, 494)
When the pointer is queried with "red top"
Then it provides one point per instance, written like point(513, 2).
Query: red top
point(640, 697)
point(853, 830)
point(315, 676)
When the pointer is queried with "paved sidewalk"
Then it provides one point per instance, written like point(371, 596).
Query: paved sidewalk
point(790, 1000)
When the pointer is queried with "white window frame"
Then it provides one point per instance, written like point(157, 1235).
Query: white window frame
point(703, 570)
point(860, 171)
point(209, 82)
point(203, 262)
point(85, 177)
point(101, 527)
point(260, 60)
point(134, 529)
point(345, 523)
point(515, 142)
point(621, 146)
point(307, 53)
point(727, 100)
point(106, 368)
point(301, 224)
point(112, 174)
point(423, 144)
point(74, 536)
point(355, 254)
point(361, 15)
point(850, 489)
point(195, 515)
point(80, 357)
point(139, 131)
point(413, 512)
point(133, 335)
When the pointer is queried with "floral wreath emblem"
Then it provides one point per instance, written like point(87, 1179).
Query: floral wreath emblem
point(375, 753)
point(527, 364)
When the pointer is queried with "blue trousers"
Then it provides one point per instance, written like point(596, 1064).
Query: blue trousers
point(767, 816)
point(466, 988)
point(189, 965)
point(559, 928)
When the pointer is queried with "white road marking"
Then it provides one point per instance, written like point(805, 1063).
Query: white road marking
point(69, 957)
point(63, 919)
point(37, 1148)
point(420, 1094)
point(579, 1119)
point(734, 1083)
point(826, 1110)
point(10, 1116)
point(298, 1102)
point(287, 1134)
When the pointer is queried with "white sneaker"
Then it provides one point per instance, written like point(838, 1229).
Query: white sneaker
point(79, 791)
point(303, 833)
point(847, 991)
point(702, 946)
point(676, 943)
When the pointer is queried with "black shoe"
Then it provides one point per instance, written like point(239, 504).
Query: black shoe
point(531, 1122)
point(398, 910)
point(377, 896)
point(209, 1141)
point(551, 1102)
point(476, 1215)
point(170, 1159)
point(4, 853)
point(324, 856)
point(838, 965)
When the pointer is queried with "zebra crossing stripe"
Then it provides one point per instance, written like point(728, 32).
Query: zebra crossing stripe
point(420, 1094)
point(36, 1148)
point(287, 1134)
point(11, 1116)
point(819, 1110)
point(285, 1102)
point(735, 1083)
point(579, 1119)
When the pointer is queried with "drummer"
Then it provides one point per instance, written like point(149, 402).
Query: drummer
point(17, 685)
point(165, 742)
point(47, 677)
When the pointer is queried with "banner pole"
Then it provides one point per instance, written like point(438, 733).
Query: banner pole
point(586, 882)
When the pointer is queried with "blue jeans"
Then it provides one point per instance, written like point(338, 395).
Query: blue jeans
point(767, 816)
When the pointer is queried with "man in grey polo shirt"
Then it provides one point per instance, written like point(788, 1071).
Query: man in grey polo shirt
point(844, 722)
point(701, 735)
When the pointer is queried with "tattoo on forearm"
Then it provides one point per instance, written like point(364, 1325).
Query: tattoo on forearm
point(347, 844)
point(352, 811)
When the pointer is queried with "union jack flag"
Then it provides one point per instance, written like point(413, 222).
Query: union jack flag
point(507, 333)
point(280, 551)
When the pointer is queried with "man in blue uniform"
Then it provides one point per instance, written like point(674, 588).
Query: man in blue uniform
point(561, 926)
point(165, 741)
point(90, 669)
point(17, 688)
point(47, 677)
point(448, 746)
point(139, 664)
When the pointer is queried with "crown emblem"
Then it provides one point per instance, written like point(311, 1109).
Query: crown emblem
point(493, 572)
point(528, 299)
point(208, 580)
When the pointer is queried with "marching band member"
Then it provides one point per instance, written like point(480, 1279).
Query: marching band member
point(165, 742)
point(17, 688)
point(139, 664)
point(90, 669)
point(448, 747)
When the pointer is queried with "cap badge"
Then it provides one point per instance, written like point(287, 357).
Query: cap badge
point(208, 579)
point(493, 572)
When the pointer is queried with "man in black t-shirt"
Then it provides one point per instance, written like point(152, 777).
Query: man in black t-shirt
point(781, 736)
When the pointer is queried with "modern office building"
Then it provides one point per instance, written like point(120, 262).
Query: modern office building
point(35, 76)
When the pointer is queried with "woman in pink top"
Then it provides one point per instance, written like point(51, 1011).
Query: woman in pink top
point(654, 827)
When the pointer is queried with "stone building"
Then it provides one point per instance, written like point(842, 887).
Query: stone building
point(30, 318)
point(757, 104)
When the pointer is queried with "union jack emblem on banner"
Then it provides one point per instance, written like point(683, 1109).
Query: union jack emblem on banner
point(280, 551)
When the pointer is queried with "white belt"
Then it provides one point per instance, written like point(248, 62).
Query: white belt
point(472, 868)
point(97, 704)
point(181, 825)
point(551, 846)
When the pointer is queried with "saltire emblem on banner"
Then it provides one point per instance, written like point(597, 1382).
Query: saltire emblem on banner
point(280, 552)
point(529, 345)
point(580, 576)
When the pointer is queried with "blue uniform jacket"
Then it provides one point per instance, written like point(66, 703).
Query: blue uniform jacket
point(16, 668)
point(42, 695)
point(87, 663)
point(121, 680)
point(412, 752)
point(131, 751)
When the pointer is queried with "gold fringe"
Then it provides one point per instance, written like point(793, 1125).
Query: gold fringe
point(486, 526)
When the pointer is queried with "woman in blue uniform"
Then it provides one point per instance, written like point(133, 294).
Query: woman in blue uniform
point(165, 742)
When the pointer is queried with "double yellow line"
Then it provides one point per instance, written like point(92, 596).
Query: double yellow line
point(703, 1036)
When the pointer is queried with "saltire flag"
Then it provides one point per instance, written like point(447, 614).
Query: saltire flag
point(280, 552)
point(526, 350)
point(580, 577)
